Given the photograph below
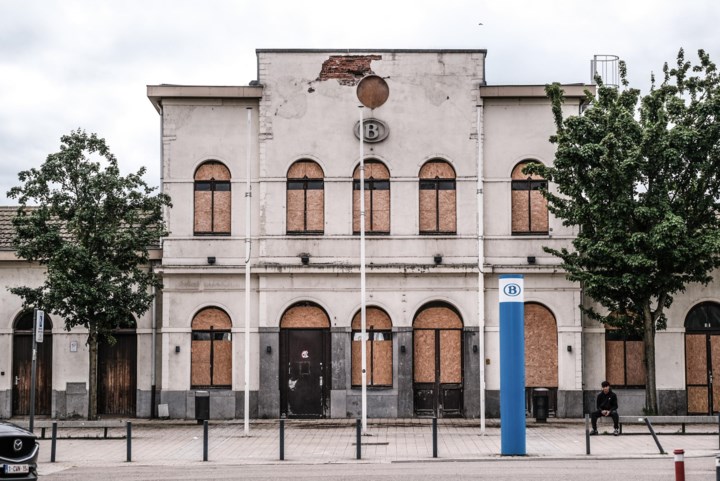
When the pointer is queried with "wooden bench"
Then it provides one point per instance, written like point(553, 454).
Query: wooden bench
point(649, 421)
point(102, 424)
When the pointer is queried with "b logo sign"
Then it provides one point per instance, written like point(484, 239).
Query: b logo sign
point(511, 289)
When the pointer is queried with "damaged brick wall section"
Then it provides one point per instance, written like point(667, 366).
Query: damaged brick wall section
point(347, 69)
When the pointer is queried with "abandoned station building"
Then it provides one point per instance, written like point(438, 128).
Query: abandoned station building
point(447, 210)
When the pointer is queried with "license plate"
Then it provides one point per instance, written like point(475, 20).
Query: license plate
point(17, 468)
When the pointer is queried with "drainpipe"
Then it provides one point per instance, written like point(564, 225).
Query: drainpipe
point(153, 316)
point(481, 261)
point(248, 200)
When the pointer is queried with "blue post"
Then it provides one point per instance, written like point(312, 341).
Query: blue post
point(512, 365)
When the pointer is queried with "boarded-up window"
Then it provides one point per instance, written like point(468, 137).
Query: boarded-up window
point(305, 316)
point(305, 198)
point(378, 346)
point(377, 198)
point(213, 203)
point(624, 358)
point(529, 207)
point(211, 358)
point(437, 346)
point(438, 211)
point(541, 347)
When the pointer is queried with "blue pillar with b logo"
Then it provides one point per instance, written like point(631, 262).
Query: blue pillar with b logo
point(512, 365)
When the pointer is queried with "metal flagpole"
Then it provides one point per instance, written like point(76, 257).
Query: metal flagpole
point(248, 199)
point(363, 319)
point(33, 372)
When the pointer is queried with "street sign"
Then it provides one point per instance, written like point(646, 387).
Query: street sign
point(39, 325)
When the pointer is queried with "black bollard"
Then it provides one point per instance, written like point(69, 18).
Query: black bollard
point(717, 468)
point(205, 440)
point(54, 442)
point(282, 439)
point(129, 441)
point(359, 439)
point(587, 434)
point(434, 436)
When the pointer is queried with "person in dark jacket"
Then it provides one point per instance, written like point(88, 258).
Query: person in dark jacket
point(607, 405)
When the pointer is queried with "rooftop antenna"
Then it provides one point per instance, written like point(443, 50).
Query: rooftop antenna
point(607, 68)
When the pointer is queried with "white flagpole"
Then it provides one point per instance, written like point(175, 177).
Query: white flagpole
point(363, 320)
point(248, 199)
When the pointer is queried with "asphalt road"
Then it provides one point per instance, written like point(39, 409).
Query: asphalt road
point(657, 469)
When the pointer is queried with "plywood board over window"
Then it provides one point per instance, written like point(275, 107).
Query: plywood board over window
point(304, 317)
point(437, 203)
point(529, 207)
point(541, 347)
point(305, 198)
point(377, 198)
point(212, 199)
point(437, 328)
point(211, 349)
point(378, 347)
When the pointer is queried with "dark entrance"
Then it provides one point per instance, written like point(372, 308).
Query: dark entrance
point(437, 362)
point(304, 366)
point(117, 375)
point(22, 366)
point(702, 358)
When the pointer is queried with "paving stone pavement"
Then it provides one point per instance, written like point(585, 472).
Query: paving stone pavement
point(156, 442)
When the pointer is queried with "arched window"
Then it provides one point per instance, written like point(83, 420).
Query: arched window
point(703, 317)
point(211, 357)
point(437, 198)
point(305, 198)
point(377, 198)
point(213, 203)
point(529, 207)
point(378, 334)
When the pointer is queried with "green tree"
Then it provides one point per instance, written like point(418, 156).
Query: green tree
point(91, 228)
point(638, 176)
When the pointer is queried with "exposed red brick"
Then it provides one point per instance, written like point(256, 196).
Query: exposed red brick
point(347, 69)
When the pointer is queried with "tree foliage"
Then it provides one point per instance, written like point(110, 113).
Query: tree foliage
point(91, 228)
point(638, 175)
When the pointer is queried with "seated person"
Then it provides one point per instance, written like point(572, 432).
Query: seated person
point(607, 405)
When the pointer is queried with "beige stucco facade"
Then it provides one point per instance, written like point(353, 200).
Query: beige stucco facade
point(304, 106)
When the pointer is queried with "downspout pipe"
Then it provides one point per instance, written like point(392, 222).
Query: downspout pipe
point(481, 259)
point(248, 231)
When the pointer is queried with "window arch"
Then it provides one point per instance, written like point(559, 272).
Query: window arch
point(213, 203)
point(379, 356)
point(305, 198)
point(211, 358)
point(438, 211)
point(377, 198)
point(529, 207)
point(703, 317)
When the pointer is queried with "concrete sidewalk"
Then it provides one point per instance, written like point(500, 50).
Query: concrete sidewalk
point(333, 441)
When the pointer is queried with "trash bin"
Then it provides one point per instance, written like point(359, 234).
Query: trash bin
point(541, 404)
point(202, 406)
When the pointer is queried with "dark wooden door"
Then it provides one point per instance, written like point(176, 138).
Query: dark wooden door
point(22, 366)
point(437, 372)
point(117, 376)
point(304, 380)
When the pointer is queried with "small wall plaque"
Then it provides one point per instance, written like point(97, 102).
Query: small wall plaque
point(73, 346)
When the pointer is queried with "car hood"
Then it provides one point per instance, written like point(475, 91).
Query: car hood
point(8, 429)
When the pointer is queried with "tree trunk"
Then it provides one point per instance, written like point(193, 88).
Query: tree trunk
point(92, 388)
point(651, 404)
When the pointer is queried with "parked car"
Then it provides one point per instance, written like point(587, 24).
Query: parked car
point(18, 452)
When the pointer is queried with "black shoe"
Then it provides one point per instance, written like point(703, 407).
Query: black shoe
point(593, 432)
point(616, 432)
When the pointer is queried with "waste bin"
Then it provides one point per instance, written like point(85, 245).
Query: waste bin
point(541, 403)
point(202, 406)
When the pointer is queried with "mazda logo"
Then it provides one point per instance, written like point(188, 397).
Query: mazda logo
point(17, 445)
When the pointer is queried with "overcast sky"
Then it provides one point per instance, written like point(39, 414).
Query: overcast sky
point(66, 64)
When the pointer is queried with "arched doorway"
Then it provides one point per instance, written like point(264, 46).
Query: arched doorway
point(437, 361)
point(541, 353)
point(117, 374)
point(304, 361)
point(702, 358)
point(22, 366)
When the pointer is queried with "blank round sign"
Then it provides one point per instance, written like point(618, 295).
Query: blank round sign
point(372, 91)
